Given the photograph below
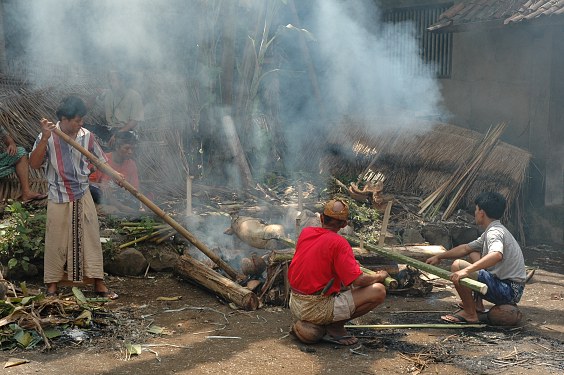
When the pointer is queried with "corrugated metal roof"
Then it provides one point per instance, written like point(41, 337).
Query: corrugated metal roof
point(502, 11)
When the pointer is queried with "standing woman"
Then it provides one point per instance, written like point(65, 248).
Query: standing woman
point(72, 238)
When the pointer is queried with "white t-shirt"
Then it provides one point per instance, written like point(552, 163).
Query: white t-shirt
point(496, 237)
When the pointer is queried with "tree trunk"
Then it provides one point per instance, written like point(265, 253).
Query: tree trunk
point(192, 269)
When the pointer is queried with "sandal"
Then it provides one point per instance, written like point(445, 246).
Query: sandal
point(50, 294)
point(108, 294)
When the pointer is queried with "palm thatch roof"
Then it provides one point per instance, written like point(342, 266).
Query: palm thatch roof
point(419, 162)
point(169, 114)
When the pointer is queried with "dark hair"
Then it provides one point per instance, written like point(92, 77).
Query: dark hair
point(123, 138)
point(71, 107)
point(492, 203)
point(332, 222)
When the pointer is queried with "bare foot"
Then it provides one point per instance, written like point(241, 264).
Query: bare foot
point(339, 335)
point(460, 317)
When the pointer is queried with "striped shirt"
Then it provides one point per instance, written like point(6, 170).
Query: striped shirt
point(66, 168)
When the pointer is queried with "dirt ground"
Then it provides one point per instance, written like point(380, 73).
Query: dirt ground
point(206, 336)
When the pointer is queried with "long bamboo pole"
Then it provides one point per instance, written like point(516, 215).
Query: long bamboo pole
point(105, 168)
point(421, 325)
point(443, 274)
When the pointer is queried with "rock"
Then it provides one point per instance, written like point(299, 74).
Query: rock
point(412, 236)
point(461, 234)
point(128, 262)
point(436, 235)
point(161, 258)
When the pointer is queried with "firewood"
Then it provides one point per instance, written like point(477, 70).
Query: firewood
point(192, 269)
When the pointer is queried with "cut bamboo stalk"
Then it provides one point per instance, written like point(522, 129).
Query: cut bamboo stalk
point(420, 326)
point(444, 274)
point(105, 168)
point(143, 238)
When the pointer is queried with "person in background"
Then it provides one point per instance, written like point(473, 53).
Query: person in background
point(14, 159)
point(123, 109)
point(72, 239)
point(495, 260)
point(327, 286)
point(121, 160)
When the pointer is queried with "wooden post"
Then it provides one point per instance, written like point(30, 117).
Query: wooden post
point(384, 228)
point(105, 168)
point(467, 282)
point(189, 195)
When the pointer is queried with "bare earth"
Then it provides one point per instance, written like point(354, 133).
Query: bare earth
point(258, 342)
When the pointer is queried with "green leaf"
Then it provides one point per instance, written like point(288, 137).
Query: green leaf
point(78, 294)
point(51, 333)
point(12, 263)
point(23, 338)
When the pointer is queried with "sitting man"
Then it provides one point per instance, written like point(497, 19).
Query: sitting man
point(496, 260)
point(14, 159)
point(327, 286)
point(105, 190)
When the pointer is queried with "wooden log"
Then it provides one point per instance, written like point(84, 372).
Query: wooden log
point(192, 269)
point(444, 274)
point(105, 168)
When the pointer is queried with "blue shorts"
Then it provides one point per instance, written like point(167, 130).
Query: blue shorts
point(500, 292)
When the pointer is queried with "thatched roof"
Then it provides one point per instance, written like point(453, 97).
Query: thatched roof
point(418, 162)
point(496, 12)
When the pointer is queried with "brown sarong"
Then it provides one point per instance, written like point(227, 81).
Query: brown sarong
point(316, 309)
point(72, 241)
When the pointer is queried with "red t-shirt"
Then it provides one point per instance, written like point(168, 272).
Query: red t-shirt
point(128, 169)
point(321, 255)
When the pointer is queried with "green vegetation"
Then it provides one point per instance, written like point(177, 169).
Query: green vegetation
point(22, 236)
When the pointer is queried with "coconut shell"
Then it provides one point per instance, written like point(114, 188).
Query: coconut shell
point(504, 315)
point(307, 332)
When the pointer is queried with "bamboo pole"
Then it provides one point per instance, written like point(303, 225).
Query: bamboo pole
point(105, 168)
point(443, 274)
point(421, 325)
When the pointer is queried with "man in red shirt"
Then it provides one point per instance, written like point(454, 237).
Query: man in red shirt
point(327, 286)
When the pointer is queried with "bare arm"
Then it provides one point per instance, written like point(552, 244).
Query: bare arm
point(38, 154)
point(11, 147)
point(457, 252)
point(486, 262)
point(366, 280)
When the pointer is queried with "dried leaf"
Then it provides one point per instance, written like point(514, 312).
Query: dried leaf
point(11, 362)
point(133, 349)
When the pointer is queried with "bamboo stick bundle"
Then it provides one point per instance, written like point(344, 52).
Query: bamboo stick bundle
point(465, 174)
point(444, 274)
point(492, 137)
